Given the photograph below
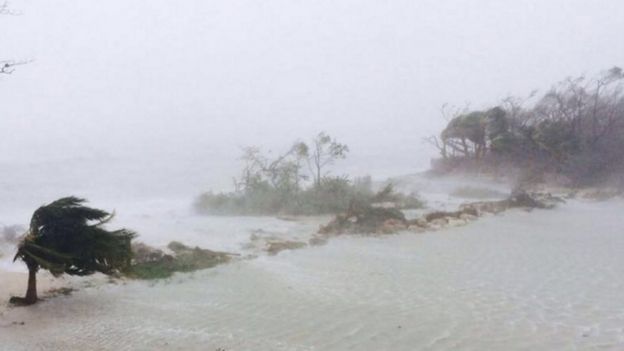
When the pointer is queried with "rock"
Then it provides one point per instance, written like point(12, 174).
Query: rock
point(392, 225)
point(434, 216)
point(518, 199)
point(317, 240)
point(455, 222)
point(336, 226)
point(469, 212)
point(383, 220)
point(273, 248)
point(484, 207)
point(523, 199)
point(439, 222)
point(448, 215)
point(468, 217)
point(366, 220)
point(602, 194)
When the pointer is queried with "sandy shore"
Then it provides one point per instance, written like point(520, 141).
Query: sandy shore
point(14, 284)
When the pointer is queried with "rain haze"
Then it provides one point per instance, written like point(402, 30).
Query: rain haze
point(167, 82)
point(142, 106)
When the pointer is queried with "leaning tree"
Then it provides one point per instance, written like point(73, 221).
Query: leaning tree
point(67, 237)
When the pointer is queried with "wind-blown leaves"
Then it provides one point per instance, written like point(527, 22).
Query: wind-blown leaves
point(67, 237)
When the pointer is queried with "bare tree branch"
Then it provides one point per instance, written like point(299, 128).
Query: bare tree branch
point(7, 67)
point(5, 10)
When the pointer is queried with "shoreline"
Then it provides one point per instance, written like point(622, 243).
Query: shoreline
point(488, 284)
point(14, 282)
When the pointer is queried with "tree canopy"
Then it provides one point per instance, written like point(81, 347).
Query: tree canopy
point(574, 131)
point(67, 237)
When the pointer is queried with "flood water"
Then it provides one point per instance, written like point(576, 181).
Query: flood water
point(539, 280)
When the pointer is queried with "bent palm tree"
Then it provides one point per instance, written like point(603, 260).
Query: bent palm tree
point(67, 237)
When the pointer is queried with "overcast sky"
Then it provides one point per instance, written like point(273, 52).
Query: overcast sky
point(198, 79)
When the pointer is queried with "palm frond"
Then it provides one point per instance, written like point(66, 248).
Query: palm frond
point(64, 239)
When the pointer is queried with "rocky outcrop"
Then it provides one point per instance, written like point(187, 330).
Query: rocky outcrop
point(377, 220)
point(271, 243)
point(275, 247)
point(455, 214)
point(374, 220)
point(598, 194)
point(518, 199)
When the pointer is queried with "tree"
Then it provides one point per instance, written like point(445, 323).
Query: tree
point(323, 151)
point(67, 237)
point(574, 130)
point(464, 129)
point(282, 172)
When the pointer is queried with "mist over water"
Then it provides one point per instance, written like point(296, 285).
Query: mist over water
point(176, 88)
point(141, 106)
point(511, 282)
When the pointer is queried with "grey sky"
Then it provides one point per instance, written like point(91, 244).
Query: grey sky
point(199, 78)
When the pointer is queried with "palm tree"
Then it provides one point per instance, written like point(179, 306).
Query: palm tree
point(67, 237)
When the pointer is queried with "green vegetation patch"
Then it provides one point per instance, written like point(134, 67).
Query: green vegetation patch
point(297, 182)
point(152, 263)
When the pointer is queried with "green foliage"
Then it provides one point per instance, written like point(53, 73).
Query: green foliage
point(557, 138)
point(67, 237)
point(470, 126)
point(503, 143)
point(366, 218)
point(323, 151)
point(278, 185)
point(496, 123)
point(335, 195)
point(573, 133)
point(184, 259)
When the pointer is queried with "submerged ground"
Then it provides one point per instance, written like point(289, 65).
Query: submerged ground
point(540, 280)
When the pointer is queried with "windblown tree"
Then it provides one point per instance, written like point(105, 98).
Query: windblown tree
point(470, 134)
point(322, 152)
point(276, 184)
point(575, 131)
point(67, 237)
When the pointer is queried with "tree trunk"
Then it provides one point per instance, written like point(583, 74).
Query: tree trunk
point(318, 178)
point(31, 292)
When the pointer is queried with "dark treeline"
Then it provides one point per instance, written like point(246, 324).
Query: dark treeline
point(573, 135)
point(297, 182)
